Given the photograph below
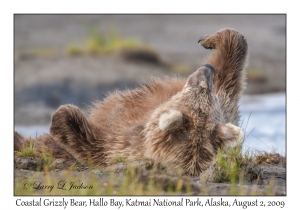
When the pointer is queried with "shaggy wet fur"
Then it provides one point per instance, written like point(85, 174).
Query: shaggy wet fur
point(175, 122)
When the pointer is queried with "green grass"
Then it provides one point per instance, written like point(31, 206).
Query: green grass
point(28, 150)
point(99, 43)
point(73, 49)
point(256, 75)
point(180, 69)
point(120, 159)
point(47, 157)
point(37, 52)
point(230, 164)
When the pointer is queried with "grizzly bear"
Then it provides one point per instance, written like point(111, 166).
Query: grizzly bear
point(174, 122)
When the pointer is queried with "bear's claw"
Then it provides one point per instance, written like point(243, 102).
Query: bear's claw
point(201, 38)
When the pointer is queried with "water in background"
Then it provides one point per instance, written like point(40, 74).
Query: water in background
point(262, 118)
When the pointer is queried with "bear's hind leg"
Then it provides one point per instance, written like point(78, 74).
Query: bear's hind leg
point(77, 135)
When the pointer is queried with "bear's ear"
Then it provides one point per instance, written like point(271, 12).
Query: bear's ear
point(170, 120)
point(230, 134)
point(203, 77)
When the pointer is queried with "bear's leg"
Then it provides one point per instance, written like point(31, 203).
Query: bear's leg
point(229, 61)
point(77, 135)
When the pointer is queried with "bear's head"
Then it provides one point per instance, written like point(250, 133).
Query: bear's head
point(186, 131)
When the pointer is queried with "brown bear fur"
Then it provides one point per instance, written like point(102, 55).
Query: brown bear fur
point(175, 122)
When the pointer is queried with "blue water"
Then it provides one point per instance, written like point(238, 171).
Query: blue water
point(266, 117)
point(262, 118)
